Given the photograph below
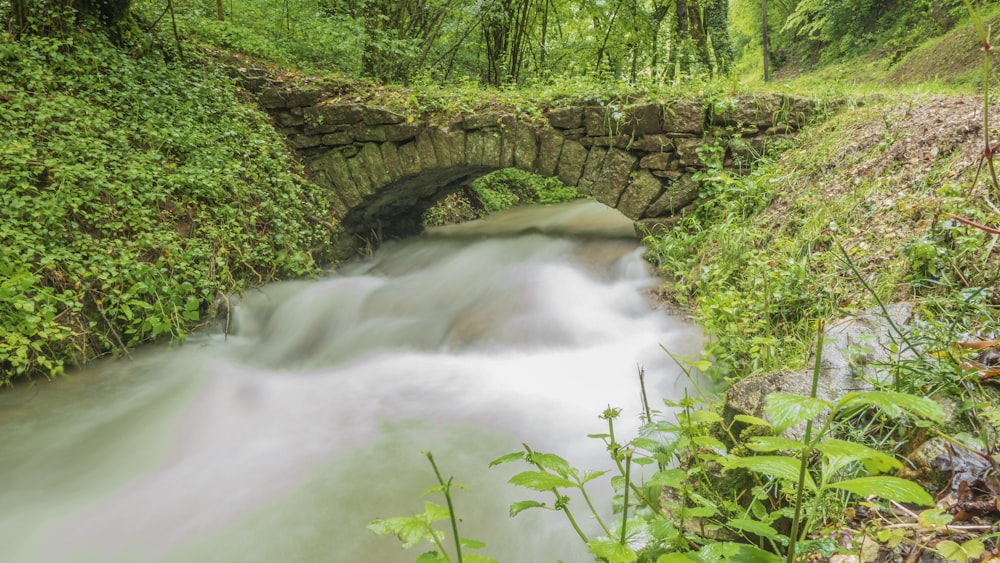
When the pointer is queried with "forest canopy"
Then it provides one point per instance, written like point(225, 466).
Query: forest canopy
point(518, 42)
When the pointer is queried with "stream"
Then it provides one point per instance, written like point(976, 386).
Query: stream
point(281, 440)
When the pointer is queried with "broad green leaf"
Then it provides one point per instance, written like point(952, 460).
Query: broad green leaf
point(669, 478)
point(772, 466)
point(520, 506)
point(786, 410)
point(591, 475)
point(540, 481)
point(471, 543)
point(726, 552)
point(645, 444)
point(552, 462)
point(752, 420)
point(710, 443)
point(894, 404)
point(773, 443)
point(704, 417)
point(699, 512)
point(680, 558)
point(612, 551)
point(435, 512)
point(409, 529)
point(934, 519)
point(476, 558)
point(839, 454)
point(432, 557)
point(753, 527)
point(952, 551)
point(889, 488)
point(516, 456)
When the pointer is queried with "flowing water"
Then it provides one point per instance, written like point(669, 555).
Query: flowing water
point(282, 440)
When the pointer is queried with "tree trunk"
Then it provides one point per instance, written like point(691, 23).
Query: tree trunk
point(219, 11)
point(763, 35)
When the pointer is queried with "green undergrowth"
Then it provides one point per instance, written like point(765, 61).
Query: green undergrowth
point(134, 193)
point(828, 229)
point(503, 189)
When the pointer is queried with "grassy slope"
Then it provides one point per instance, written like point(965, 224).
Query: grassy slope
point(874, 180)
point(133, 194)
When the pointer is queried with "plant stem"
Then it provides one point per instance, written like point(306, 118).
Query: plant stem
point(807, 450)
point(628, 481)
point(593, 511)
point(446, 487)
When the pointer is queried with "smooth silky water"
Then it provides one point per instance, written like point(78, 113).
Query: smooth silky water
point(282, 440)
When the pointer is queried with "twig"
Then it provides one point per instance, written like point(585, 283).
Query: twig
point(111, 327)
point(971, 223)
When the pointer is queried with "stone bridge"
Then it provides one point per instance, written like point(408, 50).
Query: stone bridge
point(385, 169)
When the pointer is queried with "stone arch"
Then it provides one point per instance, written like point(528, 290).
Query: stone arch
point(384, 170)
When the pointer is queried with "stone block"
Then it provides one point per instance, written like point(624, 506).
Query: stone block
point(591, 170)
point(392, 160)
point(275, 98)
point(525, 146)
point(476, 121)
point(550, 144)
point(614, 176)
point(639, 194)
point(570, 117)
point(684, 116)
point(449, 146)
point(657, 161)
point(482, 147)
point(425, 148)
point(379, 116)
point(387, 133)
point(305, 141)
point(643, 119)
point(675, 197)
point(337, 139)
point(654, 143)
point(571, 161)
point(409, 156)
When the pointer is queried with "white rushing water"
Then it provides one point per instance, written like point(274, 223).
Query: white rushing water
point(280, 442)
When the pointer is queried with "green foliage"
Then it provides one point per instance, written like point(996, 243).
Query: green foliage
point(497, 191)
point(132, 194)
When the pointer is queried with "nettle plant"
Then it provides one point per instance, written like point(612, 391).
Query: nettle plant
point(690, 489)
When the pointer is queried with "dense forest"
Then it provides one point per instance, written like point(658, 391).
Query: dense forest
point(509, 42)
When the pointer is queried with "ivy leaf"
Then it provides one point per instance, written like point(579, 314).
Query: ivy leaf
point(612, 551)
point(889, 488)
point(786, 410)
point(540, 480)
